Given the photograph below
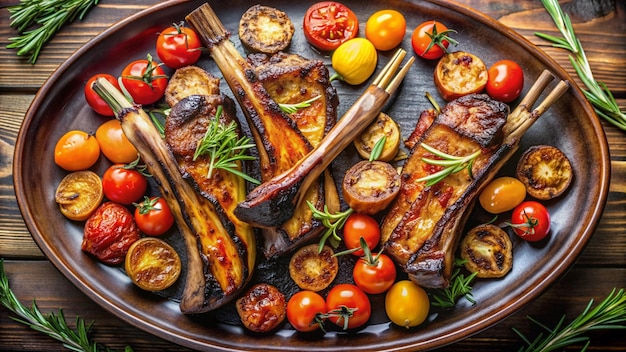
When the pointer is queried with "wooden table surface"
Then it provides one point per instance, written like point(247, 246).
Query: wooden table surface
point(601, 267)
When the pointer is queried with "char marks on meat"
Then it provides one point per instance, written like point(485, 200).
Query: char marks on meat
point(422, 227)
point(230, 250)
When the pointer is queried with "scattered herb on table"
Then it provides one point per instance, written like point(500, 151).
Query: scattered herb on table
point(598, 94)
point(609, 314)
point(37, 21)
point(52, 324)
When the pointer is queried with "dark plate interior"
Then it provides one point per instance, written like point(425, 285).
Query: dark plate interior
point(570, 125)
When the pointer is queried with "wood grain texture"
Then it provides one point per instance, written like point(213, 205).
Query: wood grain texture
point(601, 267)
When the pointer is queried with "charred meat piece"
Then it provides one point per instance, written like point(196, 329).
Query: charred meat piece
point(423, 226)
point(292, 79)
point(231, 255)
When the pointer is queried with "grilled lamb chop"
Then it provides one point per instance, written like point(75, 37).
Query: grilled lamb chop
point(423, 225)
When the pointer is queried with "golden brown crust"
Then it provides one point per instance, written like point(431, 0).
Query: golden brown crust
point(262, 308)
point(488, 251)
point(152, 264)
point(79, 194)
point(311, 270)
point(265, 29)
point(460, 73)
point(545, 171)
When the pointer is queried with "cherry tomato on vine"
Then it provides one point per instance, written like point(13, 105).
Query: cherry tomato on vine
point(348, 306)
point(153, 216)
point(502, 194)
point(385, 29)
point(506, 80)
point(124, 184)
point(76, 150)
point(114, 144)
point(407, 304)
point(328, 24)
point(375, 273)
point(178, 46)
point(304, 310)
point(430, 39)
point(359, 225)
point(531, 221)
point(144, 80)
point(94, 100)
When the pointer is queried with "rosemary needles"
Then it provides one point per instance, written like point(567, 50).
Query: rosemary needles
point(52, 324)
point(37, 21)
point(598, 94)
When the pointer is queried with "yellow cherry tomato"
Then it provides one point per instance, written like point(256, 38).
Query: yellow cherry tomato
point(355, 60)
point(502, 194)
point(385, 29)
point(407, 304)
point(76, 150)
point(114, 144)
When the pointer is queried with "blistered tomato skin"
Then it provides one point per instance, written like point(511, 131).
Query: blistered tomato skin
point(109, 233)
point(502, 194)
point(328, 24)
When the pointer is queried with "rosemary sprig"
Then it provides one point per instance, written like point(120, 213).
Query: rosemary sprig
point(452, 164)
point(332, 222)
point(609, 314)
point(292, 108)
point(53, 325)
point(598, 94)
point(47, 17)
point(224, 147)
point(460, 286)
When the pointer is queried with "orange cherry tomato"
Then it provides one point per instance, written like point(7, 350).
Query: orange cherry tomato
point(502, 194)
point(385, 29)
point(76, 150)
point(114, 144)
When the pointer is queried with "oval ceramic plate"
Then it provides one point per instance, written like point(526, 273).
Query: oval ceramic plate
point(59, 106)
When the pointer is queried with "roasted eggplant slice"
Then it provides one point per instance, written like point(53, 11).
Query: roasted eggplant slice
point(265, 29)
point(370, 186)
point(312, 269)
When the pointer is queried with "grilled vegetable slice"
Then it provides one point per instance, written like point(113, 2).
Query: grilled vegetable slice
point(370, 186)
point(383, 126)
point(152, 264)
point(190, 80)
point(79, 194)
point(545, 171)
point(262, 308)
point(488, 251)
point(265, 29)
point(460, 73)
point(311, 270)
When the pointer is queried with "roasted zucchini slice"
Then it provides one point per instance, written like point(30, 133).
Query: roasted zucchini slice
point(488, 251)
point(313, 270)
point(265, 29)
point(383, 126)
point(545, 171)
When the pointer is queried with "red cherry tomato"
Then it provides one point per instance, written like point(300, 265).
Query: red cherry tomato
point(304, 310)
point(531, 221)
point(94, 100)
point(430, 39)
point(109, 233)
point(144, 80)
point(506, 80)
point(348, 306)
point(123, 184)
point(374, 275)
point(360, 225)
point(385, 29)
point(328, 24)
point(153, 216)
point(178, 46)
